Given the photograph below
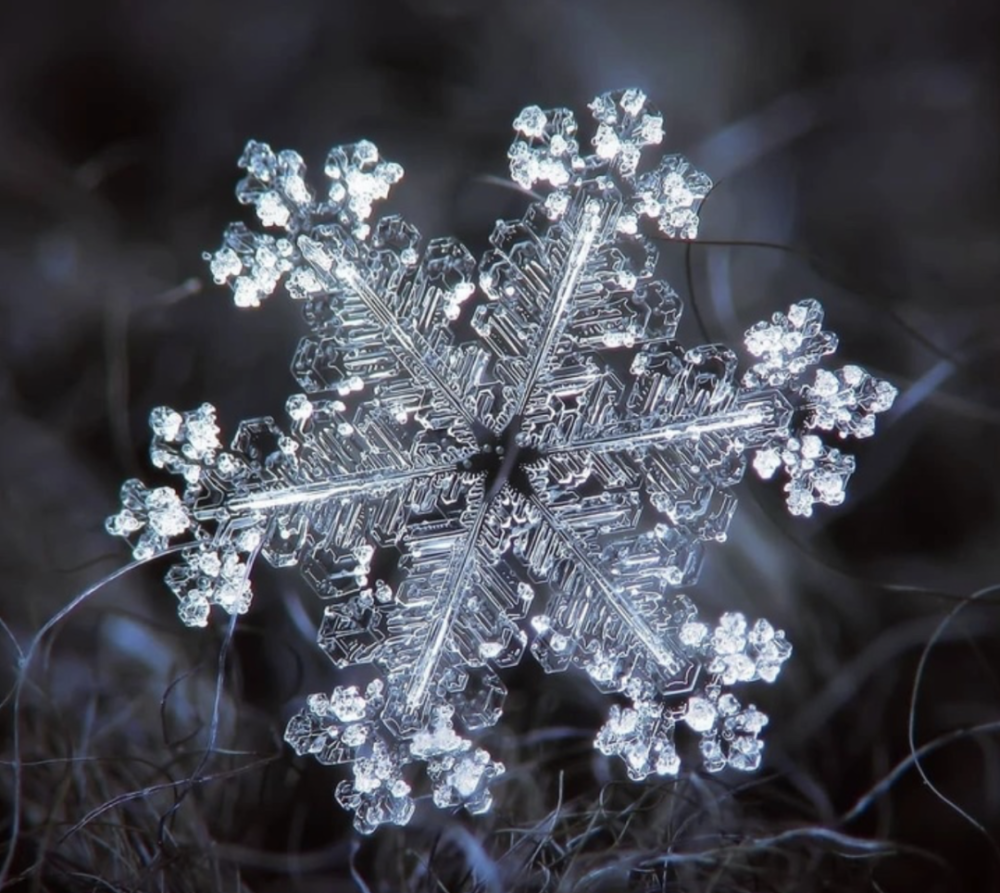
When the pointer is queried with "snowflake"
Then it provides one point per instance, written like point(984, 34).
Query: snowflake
point(471, 440)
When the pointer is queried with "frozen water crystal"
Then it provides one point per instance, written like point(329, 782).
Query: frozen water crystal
point(566, 458)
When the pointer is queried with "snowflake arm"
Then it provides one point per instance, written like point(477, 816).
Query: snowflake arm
point(846, 401)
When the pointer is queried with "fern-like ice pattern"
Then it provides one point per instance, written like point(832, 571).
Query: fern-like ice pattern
point(565, 461)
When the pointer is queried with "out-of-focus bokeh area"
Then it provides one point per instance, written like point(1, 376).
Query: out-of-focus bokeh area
point(855, 150)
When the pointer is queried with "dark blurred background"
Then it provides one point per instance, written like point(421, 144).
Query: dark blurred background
point(855, 150)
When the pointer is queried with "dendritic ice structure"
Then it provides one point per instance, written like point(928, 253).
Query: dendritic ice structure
point(483, 451)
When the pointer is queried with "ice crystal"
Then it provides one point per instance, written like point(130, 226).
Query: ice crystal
point(564, 458)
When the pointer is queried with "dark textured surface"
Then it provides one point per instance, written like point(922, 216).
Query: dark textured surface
point(863, 136)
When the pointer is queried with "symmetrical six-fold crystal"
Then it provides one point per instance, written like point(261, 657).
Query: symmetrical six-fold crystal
point(566, 459)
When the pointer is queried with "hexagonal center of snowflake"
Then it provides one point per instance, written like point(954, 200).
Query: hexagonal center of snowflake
point(503, 460)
